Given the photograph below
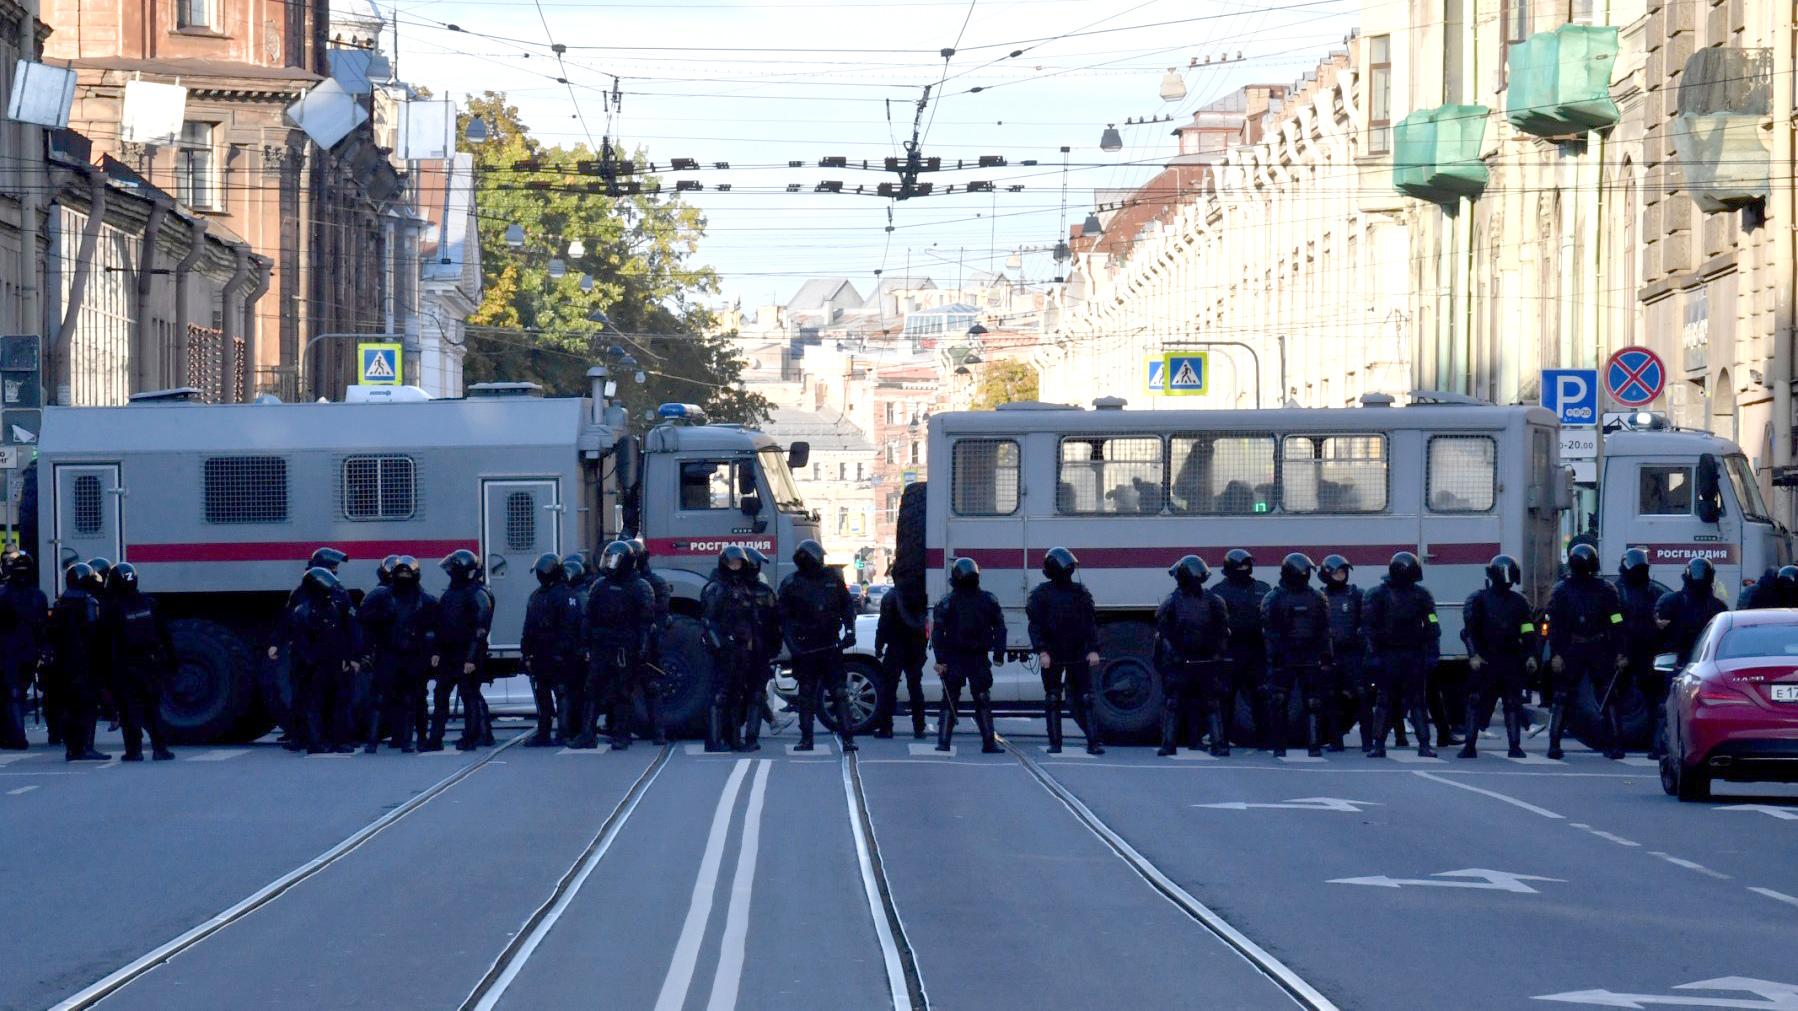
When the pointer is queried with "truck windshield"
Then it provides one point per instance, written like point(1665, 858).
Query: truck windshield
point(780, 481)
point(1748, 493)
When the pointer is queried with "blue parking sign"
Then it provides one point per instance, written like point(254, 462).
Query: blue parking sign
point(1572, 394)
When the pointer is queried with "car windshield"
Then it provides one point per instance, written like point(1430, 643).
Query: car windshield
point(1748, 492)
point(780, 480)
point(1747, 641)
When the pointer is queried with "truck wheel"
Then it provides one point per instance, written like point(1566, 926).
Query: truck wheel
point(1126, 691)
point(863, 685)
point(210, 695)
point(910, 561)
point(686, 682)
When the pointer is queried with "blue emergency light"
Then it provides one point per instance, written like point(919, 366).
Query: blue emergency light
point(681, 414)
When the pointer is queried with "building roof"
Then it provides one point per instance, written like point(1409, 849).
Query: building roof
point(825, 291)
point(826, 433)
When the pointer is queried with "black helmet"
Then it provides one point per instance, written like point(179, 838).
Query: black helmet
point(1634, 566)
point(574, 570)
point(122, 578)
point(23, 568)
point(1503, 571)
point(1582, 560)
point(461, 564)
point(1787, 580)
point(321, 580)
point(616, 561)
point(1335, 569)
point(809, 556)
point(405, 571)
point(1699, 574)
point(733, 561)
point(964, 574)
point(1059, 564)
point(1238, 562)
point(78, 576)
point(1296, 569)
point(548, 569)
point(1190, 572)
point(384, 571)
point(757, 561)
point(98, 570)
point(639, 553)
point(327, 558)
point(1404, 568)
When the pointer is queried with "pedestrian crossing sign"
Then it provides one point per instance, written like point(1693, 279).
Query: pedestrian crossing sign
point(1186, 374)
point(1157, 374)
point(379, 364)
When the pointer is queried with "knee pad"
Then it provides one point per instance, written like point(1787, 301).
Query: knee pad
point(1052, 698)
point(982, 698)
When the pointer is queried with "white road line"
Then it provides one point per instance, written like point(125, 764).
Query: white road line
point(1775, 896)
point(1494, 794)
point(1294, 759)
point(218, 755)
point(22, 789)
point(21, 756)
point(1536, 760)
point(1195, 755)
point(699, 909)
point(898, 985)
point(1606, 836)
point(1412, 758)
point(729, 976)
point(1640, 762)
point(1690, 865)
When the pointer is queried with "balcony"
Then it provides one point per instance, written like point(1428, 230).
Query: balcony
point(1436, 153)
point(1724, 152)
point(1559, 82)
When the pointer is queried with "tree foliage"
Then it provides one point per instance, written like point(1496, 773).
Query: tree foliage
point(637, 248)
point(1005, 383)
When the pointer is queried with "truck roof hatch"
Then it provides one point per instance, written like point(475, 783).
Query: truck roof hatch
point(495, 390)
point(177, 395)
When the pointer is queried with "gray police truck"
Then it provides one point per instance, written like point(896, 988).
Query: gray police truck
point(219, 507)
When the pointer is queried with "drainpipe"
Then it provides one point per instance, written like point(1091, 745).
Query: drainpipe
point(142, 335)
point(58, 354)
point(233, 322)
point(196, 246)
point(34, 184)
point(1785, 324)
point(259, 281)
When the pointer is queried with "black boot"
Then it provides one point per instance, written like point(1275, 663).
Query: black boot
point(1514, 731)
point(1093, 745)
point(945, 723)
point(1332, 724)
point(714, 725)
point(1052, 714)
point(1364, 720)
point(1170, 729)
point(1613, 733)
point(1437, 711)
point(1468, 750)
point(845, 727)
point(1313, 746)
point(983, 718)
point(1557, 726)
point(1378, 748)
point(917, 719)
point(807, 705)
point(1220, 744)
point(1275, 706)
point(1420, 720)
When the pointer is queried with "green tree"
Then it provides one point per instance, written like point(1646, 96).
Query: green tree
point(637, 247)
point(1004, 383)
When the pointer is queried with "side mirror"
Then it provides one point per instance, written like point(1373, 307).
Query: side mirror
point(627, 454)
point(1666, 664)
point(798, 455)
point(750, 505)
point(1709, 500)
point(1563, 488)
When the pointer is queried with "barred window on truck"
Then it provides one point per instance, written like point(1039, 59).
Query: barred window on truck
point(245, 489)
point(89, 517)
point(1109, 475)
point(983, 477)
point(1222, 474)
point(1333, 474)
point(378, 488)
point(1463, 473)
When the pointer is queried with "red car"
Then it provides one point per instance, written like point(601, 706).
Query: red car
point(1732, 713)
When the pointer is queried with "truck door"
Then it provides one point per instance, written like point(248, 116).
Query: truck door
point(1658, 501)
point(1459, 529)
point(89, 519)
point(520, 519)
point(718, 501)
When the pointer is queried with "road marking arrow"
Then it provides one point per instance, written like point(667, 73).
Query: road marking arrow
point(1298, 804)
point(1774, 996)
point(1782, 813)
point(1496, 881)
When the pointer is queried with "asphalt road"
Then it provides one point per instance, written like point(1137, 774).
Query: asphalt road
point(667, 878)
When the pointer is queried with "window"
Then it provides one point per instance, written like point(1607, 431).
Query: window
point(1748, 491)
point(194, 14)
point(246, 489)
point(1745, 641)
point(378, 488)
point(196, 168)
point(1379, 94)
point(892, 452)
point(860, 473)
point(913, 456)
point(1109, 475)
point(1333, 474)
point(984, 477)
point(1221, 474)
point(842, 519)
point(1513, 20)
point(1663, 490)
point(817, 472)
point(842, 471)
point(521, 521)
point(707, 484)
point(88, 516)
point(1463, 473)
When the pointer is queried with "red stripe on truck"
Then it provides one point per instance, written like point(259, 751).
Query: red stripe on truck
point(1162, 557)
point(288, 551)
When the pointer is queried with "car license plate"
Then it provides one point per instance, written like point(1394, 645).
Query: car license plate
point(1785, 693)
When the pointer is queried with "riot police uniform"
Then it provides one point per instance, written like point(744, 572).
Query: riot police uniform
point(620, 613)
point(1585, 639)
point(287, 693)
point(75, 644)
point(142, 654)
point(1641, 639)
point(1405, 642)
point(399, 622)
point(1680, 615)
point(571, 690)
point(1775, 588)
point(1295, 621)
point(1348, 648)
point(650, 674)
point(321, 646)
point(1064, 635)
point(1191, 628)
point(968, 626)
point(899, 648)
point(742, 631)
point(551, 644)
point(818, 623)
point(1245, 657)
point(465, 616)
point(24, 613)
point(1500, 632)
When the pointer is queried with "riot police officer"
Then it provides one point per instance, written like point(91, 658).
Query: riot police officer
point(617, 624)
point(738, 633)
point(1064, 634)
point(1295, 621)
point(1353, 699)
point(1245, 656)
point(1500, 632)
point(550, 642)
point(1680, 615)
point(818, 623)
point(1585, 640)
point(75, 643)
point(286, 688)
point(571, 690)
point(464, 619)
point(1775, 588)
point(584, 578)
point(1641, 639)
point(142, 653)
point(1191, 627)
point(1406, 641)
point(399, 622)
point(24, 613)
point(899, 648)
point(384, 571)
point(651, 675)
point(968, 626)
point(321, 640)
point(756, 709)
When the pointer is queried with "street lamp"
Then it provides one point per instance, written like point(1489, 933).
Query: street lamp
point(515, 236)
point(557, 269)
point(586, 282)
point(1111, 141)
point(577, 249)
point(1015, 261)
point(476, 131)
point(1091, 225)
point(1173, 86)
point(1061, 251)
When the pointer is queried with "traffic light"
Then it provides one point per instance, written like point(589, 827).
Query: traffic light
point(21, 388)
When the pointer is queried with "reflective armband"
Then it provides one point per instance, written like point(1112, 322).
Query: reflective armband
point(1527, 628)
point(1616, 619)
point(1432, 617)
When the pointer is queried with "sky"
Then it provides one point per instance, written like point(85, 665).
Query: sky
point(765, 84)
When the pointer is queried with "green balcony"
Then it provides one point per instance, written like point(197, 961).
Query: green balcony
point(1559, 82)
point(1436, 153)
point(1724, 154)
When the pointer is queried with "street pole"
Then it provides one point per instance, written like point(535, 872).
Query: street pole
point(306, 352)
point(1253, 356)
